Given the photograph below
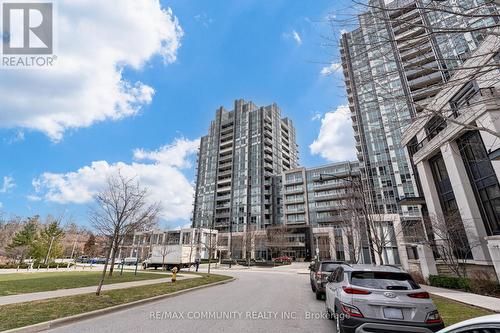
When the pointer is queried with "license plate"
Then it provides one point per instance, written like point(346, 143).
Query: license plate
point(393, 313)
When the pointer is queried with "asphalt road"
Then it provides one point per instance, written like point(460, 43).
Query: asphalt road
point(258, 301)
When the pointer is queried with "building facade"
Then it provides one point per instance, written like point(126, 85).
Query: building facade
point(315, 202)
point(393, 68)
point(459, 166)
point(141, 244)
point(236, 189)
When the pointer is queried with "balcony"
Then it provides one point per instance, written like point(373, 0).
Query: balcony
point(294, 190)
point(424, 93)
point(421, 71)
point(225, 173)
point(294, 211)
point(329, 219)
point(225, 158)
point(410, 33)
point(268, 167)
point(425, 81)
point(327, 208)
point(221, 198)
point(295, 200)
point(226, 150)
point(294, 181)
point(224, 181)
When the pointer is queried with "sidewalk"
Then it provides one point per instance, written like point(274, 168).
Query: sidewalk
point(13, 299)
point(486, 302)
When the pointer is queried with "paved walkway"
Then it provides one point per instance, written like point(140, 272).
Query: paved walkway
point(486, 302)
point(4, 300)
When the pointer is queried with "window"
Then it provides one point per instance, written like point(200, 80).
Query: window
point(340, 275)
point(384, 280)
point(434, 126)
point(483, 179)
point(447, 200)
point(462, 97)
point(443, 184)
point(328, 266)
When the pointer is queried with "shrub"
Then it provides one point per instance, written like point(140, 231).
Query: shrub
point(482, 283)
point(450, 282)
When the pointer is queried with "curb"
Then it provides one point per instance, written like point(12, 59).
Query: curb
point(71, 319)
point(465, 303)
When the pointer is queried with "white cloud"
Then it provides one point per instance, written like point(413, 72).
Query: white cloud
point(330, 69)
point(293, 35)
point(296, 37)
point(159, 170)
point(17, 137)
point(316, 116)
point(335, 141)
point(1, 205)
point(32, 197)
point(204, 19)
point(95, 41)
point(8, 184)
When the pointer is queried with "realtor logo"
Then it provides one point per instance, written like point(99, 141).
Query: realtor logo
point(27, 28)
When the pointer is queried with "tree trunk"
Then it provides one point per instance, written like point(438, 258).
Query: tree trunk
point(380, 258)
point(113, 257)
point(103, 275)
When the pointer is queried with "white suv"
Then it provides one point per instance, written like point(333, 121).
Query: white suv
point(367, 298)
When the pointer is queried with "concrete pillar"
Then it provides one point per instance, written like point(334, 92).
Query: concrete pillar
point(466, 201)
point(345, 241)
point(491, 120)
point(401, 242)
point(429, 188)
point(427, 263)
point(333, 251)
point(494, 248)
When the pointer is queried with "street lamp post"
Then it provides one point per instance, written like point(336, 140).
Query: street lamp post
point(327, 176)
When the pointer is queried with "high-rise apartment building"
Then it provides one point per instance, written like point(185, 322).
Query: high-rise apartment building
point(238, 162)
point(393, 67)
point(317, 206)
point(394, 64)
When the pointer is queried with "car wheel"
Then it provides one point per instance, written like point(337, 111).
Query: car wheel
point(329, 313)
point(319, 295)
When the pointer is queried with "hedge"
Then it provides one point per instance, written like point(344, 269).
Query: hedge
point(450, 282)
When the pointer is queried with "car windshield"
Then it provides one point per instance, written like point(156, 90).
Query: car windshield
point(384, 280)
point(328, 266)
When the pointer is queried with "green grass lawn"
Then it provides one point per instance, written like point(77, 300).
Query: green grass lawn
point(22, 283)
point(453, 312)
point(29, 313)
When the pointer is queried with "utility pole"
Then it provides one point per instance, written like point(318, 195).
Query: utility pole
point(48, 252)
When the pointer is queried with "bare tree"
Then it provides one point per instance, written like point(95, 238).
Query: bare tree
point(452, 245)
point(166, 247)
point(251, 234)
point(120, 209)
point(277, 239)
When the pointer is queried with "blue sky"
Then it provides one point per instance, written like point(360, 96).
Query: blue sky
point(264, 51)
